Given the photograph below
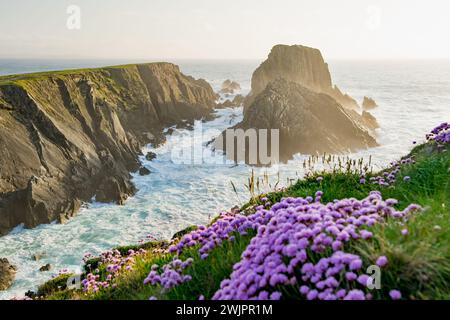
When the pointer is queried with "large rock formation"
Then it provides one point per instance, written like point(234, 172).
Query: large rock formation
point(7, 274)
point(299, 64)
point(308, 122)
point(67, 136)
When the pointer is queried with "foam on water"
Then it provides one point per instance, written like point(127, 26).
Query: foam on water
point(412, 98)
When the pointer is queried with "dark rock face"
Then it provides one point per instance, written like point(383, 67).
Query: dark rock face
point(308, 122)
point(65, 137)
point(299, 64)
point(369, 103)
point(7, 274)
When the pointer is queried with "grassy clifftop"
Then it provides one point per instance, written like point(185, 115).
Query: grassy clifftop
point(251, 253)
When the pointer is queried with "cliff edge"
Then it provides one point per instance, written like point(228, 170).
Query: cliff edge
point(68, 136)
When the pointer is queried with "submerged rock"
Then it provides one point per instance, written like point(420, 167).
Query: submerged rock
point(143, 171)
point(150, 156)
point(7, 274)
point(369, 103)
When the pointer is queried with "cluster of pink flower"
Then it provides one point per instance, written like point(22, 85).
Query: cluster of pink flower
point(440, 134)
point(172, 274)
point(221, 230)
point(115, 263)
point(388, 178)
point(301, 228)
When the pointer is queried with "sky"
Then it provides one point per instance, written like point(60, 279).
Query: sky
point(225, 29)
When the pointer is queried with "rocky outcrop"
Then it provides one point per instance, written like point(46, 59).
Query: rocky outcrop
point(369, 103)
point(369, 120)
point(308, 122)
point(67, 136)
point(236, 102)
point(299, 64)
point(7, 274)
point(229, 87)
point(143, 171)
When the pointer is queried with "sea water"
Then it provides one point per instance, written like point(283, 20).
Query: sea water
point(413, 97)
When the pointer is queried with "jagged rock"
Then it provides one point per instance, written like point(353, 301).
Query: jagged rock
point(150, 156)
point(45, 268)
point(369, 103)
point(369, 120)
point(80, 134)
point(299, 64)
point(7, 274)
point(143, 171)
point(308, 122)
point(229, 87)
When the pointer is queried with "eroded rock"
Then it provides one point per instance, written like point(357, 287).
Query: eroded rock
point(7, 274)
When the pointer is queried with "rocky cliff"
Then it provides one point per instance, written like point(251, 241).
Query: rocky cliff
point(68, 136)
point(308, 122)
point(299, 64)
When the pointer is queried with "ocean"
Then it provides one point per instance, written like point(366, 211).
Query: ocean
point(413, 97)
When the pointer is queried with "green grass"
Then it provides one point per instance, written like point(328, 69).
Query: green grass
point(19, 79)
point(419, 263)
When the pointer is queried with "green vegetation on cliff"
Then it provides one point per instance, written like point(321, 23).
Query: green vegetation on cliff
point(418, 249)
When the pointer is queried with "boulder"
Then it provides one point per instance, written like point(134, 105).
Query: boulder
point(7, 274)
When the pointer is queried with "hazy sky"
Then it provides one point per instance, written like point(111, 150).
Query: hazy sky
point(229, 29)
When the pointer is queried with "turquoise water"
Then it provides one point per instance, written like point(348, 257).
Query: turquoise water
point(413, 97)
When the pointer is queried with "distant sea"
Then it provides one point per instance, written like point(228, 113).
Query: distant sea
point(413, 97)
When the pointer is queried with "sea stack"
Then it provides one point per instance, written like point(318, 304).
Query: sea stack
point(292, 92)
point(299, 64)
